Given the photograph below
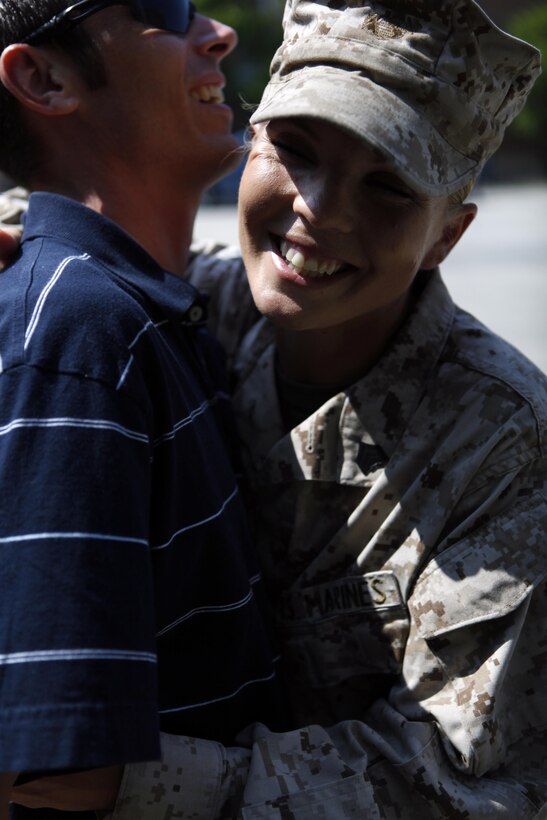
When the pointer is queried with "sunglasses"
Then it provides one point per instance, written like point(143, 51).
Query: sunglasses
point(172, 15)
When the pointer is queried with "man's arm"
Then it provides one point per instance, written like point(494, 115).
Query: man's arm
point(6, 780)
point(79, 678)
point(93, 790)
point(204, 778)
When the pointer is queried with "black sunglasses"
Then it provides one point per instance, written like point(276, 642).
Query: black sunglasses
point(172, 15)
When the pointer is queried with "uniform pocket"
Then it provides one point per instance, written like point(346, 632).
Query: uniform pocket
point(341, 800)
point(485, 576)
point(350, 627)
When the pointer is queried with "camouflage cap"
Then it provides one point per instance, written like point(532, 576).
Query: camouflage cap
point(432, 84)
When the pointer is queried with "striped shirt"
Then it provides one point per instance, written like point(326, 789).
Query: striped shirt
point(128, 587)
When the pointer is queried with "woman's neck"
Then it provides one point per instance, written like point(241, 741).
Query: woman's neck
point(341, 354)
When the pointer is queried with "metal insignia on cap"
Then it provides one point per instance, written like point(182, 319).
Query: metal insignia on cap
point(383, 29)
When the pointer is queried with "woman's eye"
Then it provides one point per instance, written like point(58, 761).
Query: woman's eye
point(392, 187)
point(288, 148)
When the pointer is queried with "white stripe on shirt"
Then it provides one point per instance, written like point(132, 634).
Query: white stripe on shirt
point(208, 610)
point(148, 325)
point(94, 424)
point(189, 419)
point(131, 359)
point(212, 517)
point(39, 306)
point(91, 536)
point(125, 372)
point(224, 697)
point(49, 655)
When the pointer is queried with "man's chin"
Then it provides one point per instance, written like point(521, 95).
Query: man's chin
point(230, 162)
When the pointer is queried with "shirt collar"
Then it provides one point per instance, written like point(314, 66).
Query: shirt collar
point(64, 220)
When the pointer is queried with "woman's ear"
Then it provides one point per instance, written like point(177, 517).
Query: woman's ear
point(458, 220)
point(40, 79)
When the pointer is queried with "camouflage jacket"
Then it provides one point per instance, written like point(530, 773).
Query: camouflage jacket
point(402, 533)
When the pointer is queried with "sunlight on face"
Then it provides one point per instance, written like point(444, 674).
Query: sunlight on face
point(330, 233)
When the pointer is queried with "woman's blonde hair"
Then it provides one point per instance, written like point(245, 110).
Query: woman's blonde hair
point(459, 196)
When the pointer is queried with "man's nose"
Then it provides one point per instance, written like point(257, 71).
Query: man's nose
point(213, 37)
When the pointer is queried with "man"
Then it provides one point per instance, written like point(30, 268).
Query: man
point(129, 588)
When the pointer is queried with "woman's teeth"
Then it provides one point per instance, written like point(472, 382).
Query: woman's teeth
point(312, 267)
point(208, 94)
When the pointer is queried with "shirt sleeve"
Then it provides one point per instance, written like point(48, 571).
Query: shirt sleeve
point(77, 645)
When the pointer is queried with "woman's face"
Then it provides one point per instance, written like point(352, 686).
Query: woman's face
point(329, 233)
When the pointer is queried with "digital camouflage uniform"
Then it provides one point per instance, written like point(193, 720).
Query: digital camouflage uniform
point(402, 533)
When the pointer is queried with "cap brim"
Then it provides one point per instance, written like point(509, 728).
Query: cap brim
point(378, 116)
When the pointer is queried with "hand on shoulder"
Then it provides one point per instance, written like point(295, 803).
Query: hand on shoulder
point(10, 239)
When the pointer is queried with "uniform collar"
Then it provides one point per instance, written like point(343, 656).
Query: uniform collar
point(64, 220)
point(366, 421)
point(387, 397)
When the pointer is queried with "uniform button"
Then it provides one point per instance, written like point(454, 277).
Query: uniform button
point(195, 314)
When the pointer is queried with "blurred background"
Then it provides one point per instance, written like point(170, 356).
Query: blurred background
point(499, 272)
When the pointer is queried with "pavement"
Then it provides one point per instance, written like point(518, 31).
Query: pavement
point(498, 272)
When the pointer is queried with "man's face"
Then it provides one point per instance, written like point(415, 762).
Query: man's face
point(329, 233)
point(162, 104)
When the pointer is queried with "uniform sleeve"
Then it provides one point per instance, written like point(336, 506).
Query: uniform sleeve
point(77, 645)
point(297, 774)
point(218, 271)
point(195, 778)
point(13, 206)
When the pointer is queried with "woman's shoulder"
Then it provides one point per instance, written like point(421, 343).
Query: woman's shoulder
point(217, 270)
point(495, 368)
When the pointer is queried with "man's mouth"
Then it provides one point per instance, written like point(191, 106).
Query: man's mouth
point(306, 264)
point(208, 94)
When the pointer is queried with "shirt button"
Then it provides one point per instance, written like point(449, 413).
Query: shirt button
point(195, 314)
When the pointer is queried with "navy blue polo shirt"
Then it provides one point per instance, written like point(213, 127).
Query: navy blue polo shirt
point(130, 597)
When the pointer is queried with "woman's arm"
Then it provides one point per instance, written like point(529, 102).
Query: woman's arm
point(13, 204)
point(6, 780)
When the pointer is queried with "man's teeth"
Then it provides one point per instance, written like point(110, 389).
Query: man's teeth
point(308, 267)
point(208, 94)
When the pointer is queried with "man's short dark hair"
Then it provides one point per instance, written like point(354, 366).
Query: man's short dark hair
point(19, 153)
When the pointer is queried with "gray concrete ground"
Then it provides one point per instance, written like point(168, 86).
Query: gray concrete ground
point(498, 272)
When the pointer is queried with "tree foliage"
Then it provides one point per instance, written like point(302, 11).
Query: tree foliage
point(531, 25)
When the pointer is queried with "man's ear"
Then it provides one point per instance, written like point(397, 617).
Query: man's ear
point(457, 222)
point(39, 78)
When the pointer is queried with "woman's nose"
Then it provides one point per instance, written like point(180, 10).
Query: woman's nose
point(326, 204)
